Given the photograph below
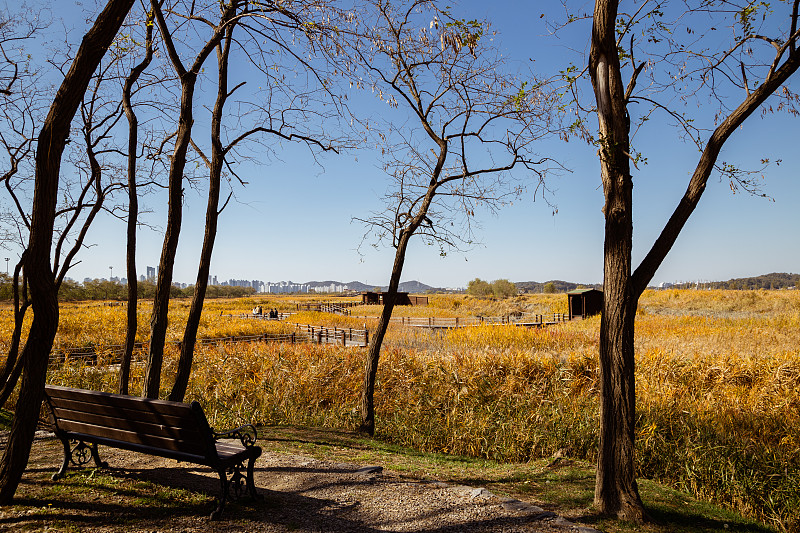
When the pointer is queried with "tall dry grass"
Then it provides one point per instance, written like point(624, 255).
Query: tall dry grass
point(718, 375)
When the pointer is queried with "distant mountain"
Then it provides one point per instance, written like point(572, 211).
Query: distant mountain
point(560, 286)
point(412, 287)
point(765, 281)
point(359, 287)
point(776, 280)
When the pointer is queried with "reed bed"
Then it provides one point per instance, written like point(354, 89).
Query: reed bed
point(717, 391)
point(97, 327)
point(331, 320)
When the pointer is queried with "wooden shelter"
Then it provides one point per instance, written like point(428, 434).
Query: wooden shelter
point(584, 303)
point(403, 298)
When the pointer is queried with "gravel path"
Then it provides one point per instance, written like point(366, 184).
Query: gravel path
point(301, 494)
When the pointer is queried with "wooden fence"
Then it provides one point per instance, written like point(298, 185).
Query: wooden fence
point(112, 354)
point(342, 336)
point(341, 308)
point(263, 316)
point(532, 320)
point(351, 337)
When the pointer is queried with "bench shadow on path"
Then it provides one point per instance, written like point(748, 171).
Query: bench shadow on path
point(277, 511)
point(298, 512)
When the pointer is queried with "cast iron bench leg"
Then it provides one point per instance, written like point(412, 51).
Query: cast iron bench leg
point(78, 457)
point(251, 486)
point(61, 471)
point(223, 479)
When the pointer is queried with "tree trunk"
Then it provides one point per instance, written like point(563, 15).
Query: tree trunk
point(132, 323)
point(212, 216)
point(13, 367)
point(38, 269)
point(374, 351)
point(158, 320)
point(616, 491)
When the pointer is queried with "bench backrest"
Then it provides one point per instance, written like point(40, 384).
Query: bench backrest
point(175, 428)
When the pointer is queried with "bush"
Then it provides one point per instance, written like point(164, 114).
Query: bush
point(502, 288)
point(478, 287)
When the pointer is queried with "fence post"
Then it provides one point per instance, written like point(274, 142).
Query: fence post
point(366, 336)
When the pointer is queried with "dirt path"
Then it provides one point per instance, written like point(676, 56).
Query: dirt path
point(301, 493)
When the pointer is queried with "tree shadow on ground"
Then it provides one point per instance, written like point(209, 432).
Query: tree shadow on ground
point(180, 498)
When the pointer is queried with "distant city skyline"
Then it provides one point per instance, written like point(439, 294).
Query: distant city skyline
point(265, 287)
point(329, 287)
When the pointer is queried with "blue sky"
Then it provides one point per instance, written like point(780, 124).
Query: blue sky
point(293, 221)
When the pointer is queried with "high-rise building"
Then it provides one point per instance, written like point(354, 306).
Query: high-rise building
point(283, 287)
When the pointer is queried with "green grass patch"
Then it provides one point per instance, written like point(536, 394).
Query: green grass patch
point(5, 419)
point(562, 485)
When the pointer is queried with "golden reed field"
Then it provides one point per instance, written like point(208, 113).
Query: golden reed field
point(718, 383)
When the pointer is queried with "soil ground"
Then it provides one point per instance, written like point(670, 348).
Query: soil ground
point(301, 493)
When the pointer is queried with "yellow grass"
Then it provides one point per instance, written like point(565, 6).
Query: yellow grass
point(718, 381)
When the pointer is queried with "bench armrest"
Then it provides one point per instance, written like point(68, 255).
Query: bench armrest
point(246, 434)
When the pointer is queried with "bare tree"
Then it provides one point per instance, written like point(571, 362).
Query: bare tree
point(678, 49)
point(81, 194)
point(21, 111)
point(133, 204)
point(471, 126)
point(39, 270)
point(188, 80)
point(257, 25)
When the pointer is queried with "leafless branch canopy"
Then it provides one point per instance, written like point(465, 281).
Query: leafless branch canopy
point(453, 124)
point(681, 56)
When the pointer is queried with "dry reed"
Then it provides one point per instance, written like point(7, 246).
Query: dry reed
point(718, 375)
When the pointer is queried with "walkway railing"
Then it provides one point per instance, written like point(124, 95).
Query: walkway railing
point(328, 335)
point(328, 307)
point(529, 320)
point(112, 354)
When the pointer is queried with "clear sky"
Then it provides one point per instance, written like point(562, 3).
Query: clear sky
point(293, 221)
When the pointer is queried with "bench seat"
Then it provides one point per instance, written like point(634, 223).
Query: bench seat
point(155, 427)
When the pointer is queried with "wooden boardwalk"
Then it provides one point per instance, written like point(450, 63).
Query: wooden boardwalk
point(533, 320)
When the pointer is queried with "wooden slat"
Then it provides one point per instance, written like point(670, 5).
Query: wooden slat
point(179, 432)
point(232, 453)
point(156, 427)
point(120, 401)
point(138, 415)
point(143, 448)
point(229, 448)
point(191, 447)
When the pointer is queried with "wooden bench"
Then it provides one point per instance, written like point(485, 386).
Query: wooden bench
point(155, 427)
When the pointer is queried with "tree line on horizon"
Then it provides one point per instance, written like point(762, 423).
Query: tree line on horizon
point(459, 133)
point(773, 281)
point(103, 289)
